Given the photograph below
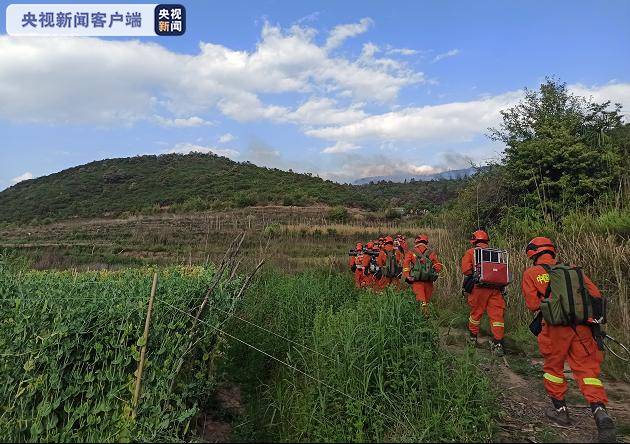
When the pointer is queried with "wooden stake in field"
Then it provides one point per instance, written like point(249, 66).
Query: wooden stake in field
point(145, 338)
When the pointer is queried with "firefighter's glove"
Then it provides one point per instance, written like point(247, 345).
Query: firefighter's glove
point(599, 310)
point(536, 325)
point(599, 335)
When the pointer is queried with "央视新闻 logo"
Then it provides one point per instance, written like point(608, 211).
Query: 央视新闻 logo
point(170, 19)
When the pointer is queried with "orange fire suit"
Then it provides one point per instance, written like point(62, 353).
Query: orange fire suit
point(381, 261)
point(368, 278)
point(559, 343)
point(483, 299)
point(422, 290)
point(363, 262)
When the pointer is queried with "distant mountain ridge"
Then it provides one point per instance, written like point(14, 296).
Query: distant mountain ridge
point(400, 178)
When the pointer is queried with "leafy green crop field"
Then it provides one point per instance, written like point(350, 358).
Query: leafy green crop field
point(69, 345)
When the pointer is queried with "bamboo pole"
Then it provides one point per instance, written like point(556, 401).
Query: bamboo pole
point(226, 263)
point(145, 336)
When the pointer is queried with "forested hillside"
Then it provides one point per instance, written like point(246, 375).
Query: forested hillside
point(198, 182)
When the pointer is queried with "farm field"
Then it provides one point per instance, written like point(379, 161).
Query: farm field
point(311, 317)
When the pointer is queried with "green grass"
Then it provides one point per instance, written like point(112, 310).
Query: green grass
point(381, 372)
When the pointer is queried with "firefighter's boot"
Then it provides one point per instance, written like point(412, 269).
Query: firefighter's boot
point(496, 346)
point(605, 425)
point(558, 413)
point(559, 416)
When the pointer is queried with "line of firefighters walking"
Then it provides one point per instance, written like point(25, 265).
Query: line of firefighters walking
point(568, 307)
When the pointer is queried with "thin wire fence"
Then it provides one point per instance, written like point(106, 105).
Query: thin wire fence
point(292, 367)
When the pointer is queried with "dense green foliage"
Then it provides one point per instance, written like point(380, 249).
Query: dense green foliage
point(384, 376)
point(566, 163)
point(562, 151)
point(196, 182)
point(70, 346)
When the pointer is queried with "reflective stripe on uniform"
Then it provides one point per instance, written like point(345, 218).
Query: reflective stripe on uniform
point(472, 321)
point(552, 378)
point(592, 381)
point(405, 269)
point(498, 324)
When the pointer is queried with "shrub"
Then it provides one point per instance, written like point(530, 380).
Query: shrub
point(614, 222)
point(392, 214)
point(338, 214)
point(271, 230)
point(244, 199)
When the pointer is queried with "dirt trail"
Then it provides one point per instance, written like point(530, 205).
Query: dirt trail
point(216, 425)
point(523, 399)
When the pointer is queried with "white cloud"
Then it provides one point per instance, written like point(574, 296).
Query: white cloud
point(324, 111)
point(615, 92)
point(71, 80)
point(312, 17)
point(186, 148)
point(227, 137)
point(455, 122)
point(343, 32)
point(114, 82)
point(352, 167)
point(402, 51)
point(26, 176)
point(445, 55)
point(340, 147)
point(182, 123)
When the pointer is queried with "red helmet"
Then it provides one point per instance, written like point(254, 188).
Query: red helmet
point(359, 246)
point(422, 239)
point(389, 240)
point(539, 245)
point(370, 245)
point(479, 236)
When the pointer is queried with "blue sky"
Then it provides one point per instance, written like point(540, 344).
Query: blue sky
point(341, 89)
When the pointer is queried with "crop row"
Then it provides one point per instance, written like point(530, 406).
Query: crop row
point(70, 346)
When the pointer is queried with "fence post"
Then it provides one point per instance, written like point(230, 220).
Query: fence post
point(145, 336)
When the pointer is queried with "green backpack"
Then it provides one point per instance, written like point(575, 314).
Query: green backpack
point(566, 301)
point(392, 267)
point(422, 269)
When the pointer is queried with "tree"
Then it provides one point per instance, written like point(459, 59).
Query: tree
point(558, 156)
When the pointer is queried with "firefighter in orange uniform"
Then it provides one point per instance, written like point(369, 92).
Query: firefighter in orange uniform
point(560, 343)
point(390, 260)
point(482, 299)
point(368, 277)
point(415, 260)
point(356, 265)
